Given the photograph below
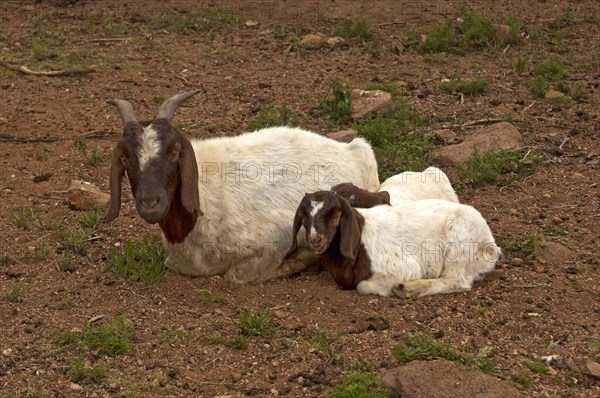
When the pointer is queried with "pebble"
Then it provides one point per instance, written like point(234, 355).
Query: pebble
point(75, 387)
point(513, 212)
point(7, 352)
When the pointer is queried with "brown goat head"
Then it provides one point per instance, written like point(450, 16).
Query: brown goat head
point(361, 198)
point(161, 167)
point(325, 216)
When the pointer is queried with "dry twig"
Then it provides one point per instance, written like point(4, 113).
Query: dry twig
point(47, 73)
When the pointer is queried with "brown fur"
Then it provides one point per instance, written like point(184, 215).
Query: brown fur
point(361, 198)
point(340, 225)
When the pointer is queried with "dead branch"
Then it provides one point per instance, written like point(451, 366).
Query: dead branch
point(109, 39)
point(47, 73)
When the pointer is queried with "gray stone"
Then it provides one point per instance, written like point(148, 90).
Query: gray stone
point(84, 195)
point(365, 102)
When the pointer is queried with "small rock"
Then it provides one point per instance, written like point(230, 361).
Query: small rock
point(592, 368)
point(28, 8)
point(332, 41)
point(517, 262)
point(553, 94)
point(344, 135)
point(250, 24)
point(513, 212)
point(447, 136)
point(502, 32)
point(365, 102)
point(8, 352)
point(85, 195)
point(312, 41)
point(75, 387)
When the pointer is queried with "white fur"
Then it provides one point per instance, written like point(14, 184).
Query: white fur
point(430, 246)
point(432, 183)
point(249, 189)
point(149, 146)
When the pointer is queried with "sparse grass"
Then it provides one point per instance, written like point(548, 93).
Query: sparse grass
point(469, 31)
point(73, 240)
point(566, 19)
point(578, 91)
point(521, 63)
point(535, 34)
point(79, 373)
point(417, 347)
point(529, 245)
point(336, 108)
point(66, 262)
point(22, 217)
point(390, 87)
point(15, 295)
point(358, 385)
point(525, 381)
point(539, 87)
point(396, 145)
point(536, 366)
point(269, 117)
point(469, 87)
point(552, 70)
point(6, 260)
point(500, 168)
point(259, 323)
point(40, 251)
point(238, 342)
point(322, 341)
point(173, 22)
point(159, 99)
point(357, 27)
point(553, 229)
point(213, 298)
point(90, 158)
point(595, 346)
point(109, 339)
point(143, 260)
point(92, 218)
point(39, 51)
point(364, 365)
point(173, 334)
point(114, 29)
point(515, 26)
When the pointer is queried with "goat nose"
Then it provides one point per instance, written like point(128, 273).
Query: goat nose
point(315, 240)
point(150, 202)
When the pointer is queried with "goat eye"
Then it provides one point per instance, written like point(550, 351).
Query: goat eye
point(175, 154)
point(123, 159)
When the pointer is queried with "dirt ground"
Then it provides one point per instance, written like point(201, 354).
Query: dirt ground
point(550, 306)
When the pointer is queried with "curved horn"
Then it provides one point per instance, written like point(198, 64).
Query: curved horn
point(125, 110)
point(167, 109)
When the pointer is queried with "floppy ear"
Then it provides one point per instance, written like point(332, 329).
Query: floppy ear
point(349, 230)
point(189, 178)
point(295, 229)
point(116, 176)
point(385, 197)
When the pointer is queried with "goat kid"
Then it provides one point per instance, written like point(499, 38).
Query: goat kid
point(432, 183)
point(421, 248)
point(224, 204)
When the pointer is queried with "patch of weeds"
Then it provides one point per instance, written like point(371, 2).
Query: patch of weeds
point(269, 117)
point(552, 70)
point(358, 385)
point(336, 108)
point(73, 240)
point(6, 260)
point(521, 63)
point(563, 100)
point(566, 19)
point(33, 392)
point(110, 339)
point(500, 168)
point(535, 34)
point(514, 26)
point(39, 51)
point(259, 323)
point(113, 29)
point(213, 298)
point(15, 295)
point(595, 346)
point(469, 31)
point(553, 229)
point(539, 87)
point(468, 87)
point(66, 262)
point(389, 87)
point(531, 242)
point(536, 366)
point(238, 342)
point(23, 217)
point(40, 251)
point(91, 158)
point(171, 335)
point(92, 218)
point(322, 341)
point(79, 57)
point(356, 27)
point(364, 365)
point(525, 381)
point(397, 147)
point(174, 22)
point(417, 347)
point(142, 259)
point(578, 91)
point(79, 373)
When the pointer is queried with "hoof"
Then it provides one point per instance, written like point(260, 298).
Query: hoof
point(400, 292)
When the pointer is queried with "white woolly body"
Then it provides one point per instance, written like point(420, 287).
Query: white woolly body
point(441, 246)
point(432, 183)
point(250, 186)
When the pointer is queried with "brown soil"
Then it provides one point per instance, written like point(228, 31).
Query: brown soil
point(549, 306)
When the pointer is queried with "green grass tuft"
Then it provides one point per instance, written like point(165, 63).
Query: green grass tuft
point(238, 342)
point(15, 295)
point(469, 87)
point(91, 158)
point(417, 347)
point(269, 117)
point(336, 108)
point(358, 385)
point(536, 366)
point(552, 70)
point(595, 346)
point(78, 373)
point(143, 259)
point(213, 298)
point(22, 217)
point(256, 324)
point(531, 242)
point(110, 339)
point(356, 27)
point(322, 341)
point(521, 63)
point(500, 168)
point(525, 381)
